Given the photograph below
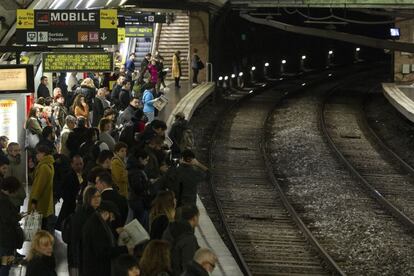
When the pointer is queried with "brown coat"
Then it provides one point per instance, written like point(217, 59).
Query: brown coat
point(120, 175)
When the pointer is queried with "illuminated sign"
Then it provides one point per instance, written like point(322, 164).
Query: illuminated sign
point(16, 78)
point(8, 118)
point(77, 62)
point(144, 31)
point(54, 27)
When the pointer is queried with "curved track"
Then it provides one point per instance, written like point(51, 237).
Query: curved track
point(253, 209)
point(362, 237)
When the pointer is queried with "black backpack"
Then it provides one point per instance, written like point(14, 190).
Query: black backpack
point(67, 228)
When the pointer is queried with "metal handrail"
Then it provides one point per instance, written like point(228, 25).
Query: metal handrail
point(209, 72)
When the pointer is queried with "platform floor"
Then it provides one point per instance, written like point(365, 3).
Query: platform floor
point(207, 235)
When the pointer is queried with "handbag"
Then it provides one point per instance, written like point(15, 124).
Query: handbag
point(200, 64)
point(32, 224)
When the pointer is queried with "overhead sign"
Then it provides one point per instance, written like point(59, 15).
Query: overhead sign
point(25, 19)
point(143, 18)
point(16, 78)
point(54, 27)
point(77, 62)
point(136, 31)
point(121, 35)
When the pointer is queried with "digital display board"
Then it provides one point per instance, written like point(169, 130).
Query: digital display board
point(77, 62)
point(16, 78)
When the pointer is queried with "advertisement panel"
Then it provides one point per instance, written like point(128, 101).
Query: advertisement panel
point(16, 78)
point(8, 118)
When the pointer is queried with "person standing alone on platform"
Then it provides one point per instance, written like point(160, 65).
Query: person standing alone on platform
point(42, 89)
point(196, 65)
point(130, 66)
point(176, 68)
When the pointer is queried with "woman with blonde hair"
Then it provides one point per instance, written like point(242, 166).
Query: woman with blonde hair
point(162, 213)
point(40, 259)
point(156, 259)
point(80, 108)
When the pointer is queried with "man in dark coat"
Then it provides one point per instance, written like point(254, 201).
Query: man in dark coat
point(129, 112)
point(116, 90)
point(72, 182)
point(77, 137)
point(180, 235)
point(203, 263)
point(125, 95)
point(130, 65)
point(105, 185)
point(99, 246)
point(176, 133)
point(188, 175)
point(98, 107)
point(42, 89)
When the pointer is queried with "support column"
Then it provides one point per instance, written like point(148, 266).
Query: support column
point(199, 39)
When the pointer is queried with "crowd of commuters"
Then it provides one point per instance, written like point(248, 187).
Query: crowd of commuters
point(103, 154)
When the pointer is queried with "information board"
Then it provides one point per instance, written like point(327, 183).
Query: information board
point(8, 118)
point(16, 78)
point(143, 31)
point(54, 27)
point(77, 62)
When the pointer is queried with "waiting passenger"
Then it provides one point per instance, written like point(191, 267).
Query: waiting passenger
point(118, 169)
point(156, 260)
point(18, 171)
point(125, 265)
point(105, 130)
point(40, 259)
point(99, 247)
point(180, 235)
point(162, 213)
point(203, 263)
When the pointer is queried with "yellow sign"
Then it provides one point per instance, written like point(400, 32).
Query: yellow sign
point(108, 19)
point(121, 35)
point(25, 19)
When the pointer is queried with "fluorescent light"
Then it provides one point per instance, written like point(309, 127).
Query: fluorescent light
point(330, 75)
point(358, 49)
point(330, 52)
point(241, 74)
point(267, 64)
point(79, 2)
point(233, 76)
point(251, 91)
point(122, 2)
point(283, 61)
point(303, 84)
point(220, 78)
point(90, 2)
point(226, 77)
point(253, 68)
point(109, 2)
point(303, 57)
point(54, 3)
point(59, 4)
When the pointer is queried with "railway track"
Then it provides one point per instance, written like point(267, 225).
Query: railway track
point(264, 233)
point(389, 179)
point(362, 237)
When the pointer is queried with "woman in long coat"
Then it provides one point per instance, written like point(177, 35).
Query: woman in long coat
point(176, 68)
point(41, 196)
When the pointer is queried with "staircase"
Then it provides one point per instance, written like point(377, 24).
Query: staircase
point(142, 47)
point(176, 37)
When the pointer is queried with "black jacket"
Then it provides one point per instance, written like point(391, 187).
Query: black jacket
point(41, 266)
point(42, 91)
point(186, 183)
point(137, 180)
point(124, 99)
point(195, 269)
point(98, 247)
point(98, 111)
point(183, 243)
point(75, 246)
point(158, 226)
point(115, 95)
point(119, 201)
point(176, 133)
point(89, 94)
point(70, 190)
point(75, 139)
point(10, 231)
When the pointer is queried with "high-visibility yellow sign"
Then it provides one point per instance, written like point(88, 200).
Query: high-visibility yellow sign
point(108, 19)
point(25, 19)
point(121, 35)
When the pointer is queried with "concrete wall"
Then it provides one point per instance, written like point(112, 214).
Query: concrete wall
point(199, 38)
point(406, 35)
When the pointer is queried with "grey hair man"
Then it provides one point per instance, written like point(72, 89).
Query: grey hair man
point(203, 263)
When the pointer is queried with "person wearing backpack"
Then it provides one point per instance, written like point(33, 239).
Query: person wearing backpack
point(176, 134)
point(196, 65)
